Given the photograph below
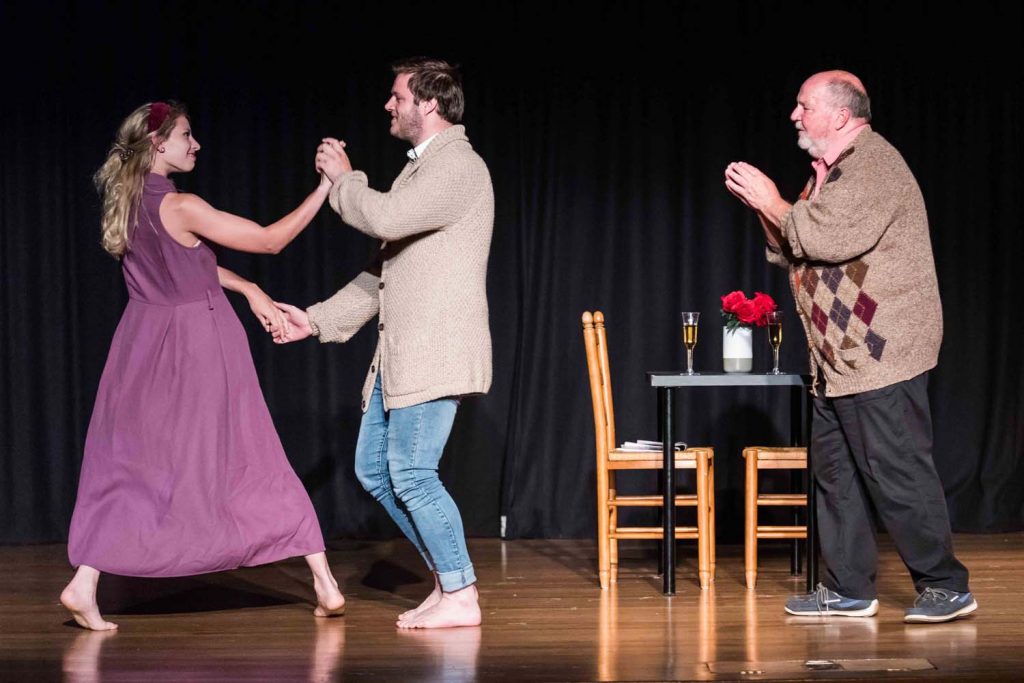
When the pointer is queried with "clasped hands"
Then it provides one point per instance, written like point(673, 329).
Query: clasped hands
point(284, 322)
point(297, 324)
point(331, 159)
point(756, 190)
point(287, 323)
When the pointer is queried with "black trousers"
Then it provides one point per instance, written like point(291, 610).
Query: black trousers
point(873, 450)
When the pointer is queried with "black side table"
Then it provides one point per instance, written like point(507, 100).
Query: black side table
point(667, 382)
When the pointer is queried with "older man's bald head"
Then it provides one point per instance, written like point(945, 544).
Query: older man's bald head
point(844, 90)
point(838, 75)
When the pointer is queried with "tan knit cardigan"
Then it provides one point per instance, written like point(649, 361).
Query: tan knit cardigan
point(430, 292)
point(862, 272)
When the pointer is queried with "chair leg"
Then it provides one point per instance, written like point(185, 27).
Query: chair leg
point(613, 543)
point(750, 519)
point(603, 519)
point(703, 523)
point(712, 539)
point(613, 547)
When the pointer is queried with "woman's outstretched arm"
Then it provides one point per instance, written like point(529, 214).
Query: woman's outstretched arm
point(188, 216)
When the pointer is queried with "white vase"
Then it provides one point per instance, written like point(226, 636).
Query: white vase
point(738, 349)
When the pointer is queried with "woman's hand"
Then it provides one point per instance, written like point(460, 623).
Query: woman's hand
point(270, 316)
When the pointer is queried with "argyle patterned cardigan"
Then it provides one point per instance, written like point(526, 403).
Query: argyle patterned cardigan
point(862, 272)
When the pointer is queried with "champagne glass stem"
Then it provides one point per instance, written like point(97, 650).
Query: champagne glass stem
point(775, 360)
point(689, 361)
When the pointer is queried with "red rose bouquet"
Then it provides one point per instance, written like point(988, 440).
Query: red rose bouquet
point(739, 311)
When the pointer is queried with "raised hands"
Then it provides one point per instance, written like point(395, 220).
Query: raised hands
point(331, 159)
point(750, 185)
point(756, 190)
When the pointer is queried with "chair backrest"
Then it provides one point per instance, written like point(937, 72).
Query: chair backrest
point(595, 339)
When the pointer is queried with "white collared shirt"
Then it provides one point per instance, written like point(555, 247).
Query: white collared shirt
point(417, 151)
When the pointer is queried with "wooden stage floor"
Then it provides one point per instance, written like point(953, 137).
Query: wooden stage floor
point(545, 619)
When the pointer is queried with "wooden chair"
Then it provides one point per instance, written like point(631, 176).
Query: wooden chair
point(762, 458)
point(610, 460)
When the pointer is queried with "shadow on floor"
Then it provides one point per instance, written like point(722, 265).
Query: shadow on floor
point(129, 595)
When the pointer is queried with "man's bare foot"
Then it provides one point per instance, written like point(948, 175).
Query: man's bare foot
point(431, 600)
point(329, 600)
point(82, 605)
point(459, 608)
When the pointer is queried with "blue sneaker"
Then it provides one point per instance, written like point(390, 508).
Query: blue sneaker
point(935, 605)
point(827, 603)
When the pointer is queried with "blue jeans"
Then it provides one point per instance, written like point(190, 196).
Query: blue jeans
point(396, 462)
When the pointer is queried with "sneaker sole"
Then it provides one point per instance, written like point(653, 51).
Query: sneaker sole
point(869, 611)
point(925, 619)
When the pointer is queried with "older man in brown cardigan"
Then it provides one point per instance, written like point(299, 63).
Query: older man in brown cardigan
point(861, 269)
point(428, 289)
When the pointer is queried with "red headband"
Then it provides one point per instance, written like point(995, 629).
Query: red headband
point(158, 113)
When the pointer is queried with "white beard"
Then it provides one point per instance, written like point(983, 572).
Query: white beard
point(816, 148)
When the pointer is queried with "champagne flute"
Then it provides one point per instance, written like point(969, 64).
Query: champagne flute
point(690, 338)
point(774, 319)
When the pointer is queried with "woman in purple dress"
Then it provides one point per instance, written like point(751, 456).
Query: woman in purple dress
point(183, 471)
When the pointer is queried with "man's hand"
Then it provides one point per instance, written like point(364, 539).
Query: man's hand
point(756, 190)
point(331, 159)
point(298, 323)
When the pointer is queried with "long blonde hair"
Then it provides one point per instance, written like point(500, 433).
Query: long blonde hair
point(119, 180)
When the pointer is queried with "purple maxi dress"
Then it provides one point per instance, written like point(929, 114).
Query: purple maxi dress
point(183, 471)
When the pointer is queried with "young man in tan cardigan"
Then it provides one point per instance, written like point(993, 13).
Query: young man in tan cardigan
point(428, 288)
point(860, 261)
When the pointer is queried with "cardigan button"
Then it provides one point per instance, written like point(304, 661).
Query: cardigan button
point(380, 327)
point(380, 286)
point(364, 405)
point(373, 368)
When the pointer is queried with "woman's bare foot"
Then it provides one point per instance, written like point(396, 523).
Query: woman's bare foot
point(329, 600)
point(431, 600)
point(459, 608)
point(79, 597)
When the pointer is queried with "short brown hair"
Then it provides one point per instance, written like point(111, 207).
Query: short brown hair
point(434, 79)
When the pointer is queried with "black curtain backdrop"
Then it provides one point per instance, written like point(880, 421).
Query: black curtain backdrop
point(606, 127)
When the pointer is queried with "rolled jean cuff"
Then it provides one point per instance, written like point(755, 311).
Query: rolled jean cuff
point(456, 580)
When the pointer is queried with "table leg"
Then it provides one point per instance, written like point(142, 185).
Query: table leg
point(669, 491)
point(661, 482)
point(796, 481)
